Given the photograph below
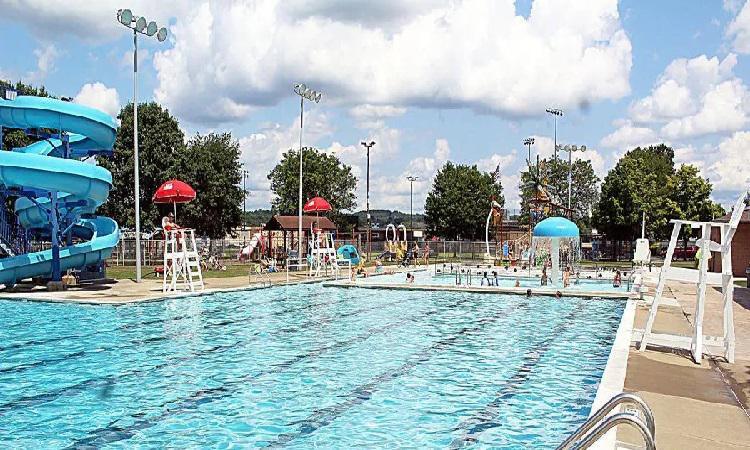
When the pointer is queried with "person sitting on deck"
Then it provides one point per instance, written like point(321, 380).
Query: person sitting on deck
point(617, 280)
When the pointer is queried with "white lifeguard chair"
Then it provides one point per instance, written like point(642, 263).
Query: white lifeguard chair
point(182, 264)
point(322, 253)
point(701, 277)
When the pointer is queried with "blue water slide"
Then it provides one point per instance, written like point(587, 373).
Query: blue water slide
point(49, 168)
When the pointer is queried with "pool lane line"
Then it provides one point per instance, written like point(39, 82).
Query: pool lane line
point(363, 393)
point(113, 433)
point(485, 419)
point(72, 390)
point(25, 366)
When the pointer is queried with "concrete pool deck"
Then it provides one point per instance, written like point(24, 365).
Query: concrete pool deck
point(695, 406)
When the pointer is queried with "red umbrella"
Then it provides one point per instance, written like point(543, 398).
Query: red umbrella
point(317, 204)
point(174, 191)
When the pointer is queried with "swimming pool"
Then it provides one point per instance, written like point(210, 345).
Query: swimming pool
point(426, 278)
point(302, 366)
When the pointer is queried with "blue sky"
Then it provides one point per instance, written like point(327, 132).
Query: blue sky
point(428, 80)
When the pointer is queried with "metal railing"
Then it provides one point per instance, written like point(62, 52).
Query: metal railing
point(599, 423)
point(14, 239)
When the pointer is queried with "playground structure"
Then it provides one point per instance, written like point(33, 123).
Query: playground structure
point(506, 250)
point(556, 243)
point(396, 248)
point(56, 194)
point(696, 343)
point(256, 242)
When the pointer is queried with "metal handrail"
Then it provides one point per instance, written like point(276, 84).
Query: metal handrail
point(601, 413)
point(613, 421)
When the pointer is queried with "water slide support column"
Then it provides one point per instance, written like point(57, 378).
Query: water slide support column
point(1, 138)
point(555, 253)
point(55, 237)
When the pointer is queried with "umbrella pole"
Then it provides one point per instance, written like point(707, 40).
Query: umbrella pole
point(174, 204)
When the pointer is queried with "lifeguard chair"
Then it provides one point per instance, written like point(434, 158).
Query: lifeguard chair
point(182, 264)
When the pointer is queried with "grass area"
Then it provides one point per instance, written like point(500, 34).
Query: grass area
point(128, 272)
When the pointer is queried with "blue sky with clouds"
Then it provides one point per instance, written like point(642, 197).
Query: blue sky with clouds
point(428, 80)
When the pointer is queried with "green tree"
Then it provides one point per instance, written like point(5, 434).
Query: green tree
point(161, 142)
point(322, 175)
point(553, 177)
point(641, 181)
point(457, 204)
point(210, 164)
point(692, 195)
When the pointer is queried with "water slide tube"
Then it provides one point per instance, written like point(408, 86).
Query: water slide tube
point(47, 176)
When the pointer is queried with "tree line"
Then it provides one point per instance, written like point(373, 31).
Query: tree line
point(645, 179)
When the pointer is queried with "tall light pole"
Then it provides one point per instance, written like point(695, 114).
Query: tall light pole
point(138, 25)
point(304, 92)
point(529, 142)
point(368, 146)
point(556, 112)
point(411, 179)
point(571, 149)
point(245, 176)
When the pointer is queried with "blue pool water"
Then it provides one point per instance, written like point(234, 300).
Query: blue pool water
point(302, 367)
point(425, 277)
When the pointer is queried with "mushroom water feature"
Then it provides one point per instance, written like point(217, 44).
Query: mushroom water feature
point(558, 239)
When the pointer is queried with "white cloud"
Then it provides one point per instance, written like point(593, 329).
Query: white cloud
point(692, 97)
point(628, 136)
point(127, 58)
point(392, 190)
point(231, 58)
point(85, 19)
point(490, 163)
point(372, 116)
point(46, 58)
point(729, 169)
point(738, 29)
point(99, 96)
point(262, 150)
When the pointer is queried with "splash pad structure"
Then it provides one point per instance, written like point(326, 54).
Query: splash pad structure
point(556, 240)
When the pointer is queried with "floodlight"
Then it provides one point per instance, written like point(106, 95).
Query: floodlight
point(140, 24)
point(161, 36)
point(152, 28)
point(125, 16)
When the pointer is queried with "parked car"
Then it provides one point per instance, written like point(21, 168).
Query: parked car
point(681, 252)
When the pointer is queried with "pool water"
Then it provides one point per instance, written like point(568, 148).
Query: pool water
point(301, 367)
point(426, 278)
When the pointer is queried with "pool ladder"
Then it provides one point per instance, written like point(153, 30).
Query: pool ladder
point(600, 422)
point(263, 279)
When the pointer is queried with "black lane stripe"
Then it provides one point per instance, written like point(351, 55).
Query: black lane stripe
point(323, 417)
point(80, 354)
point(43, 362)
point(114, 433)
point(485, 419)
point(70, 391)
